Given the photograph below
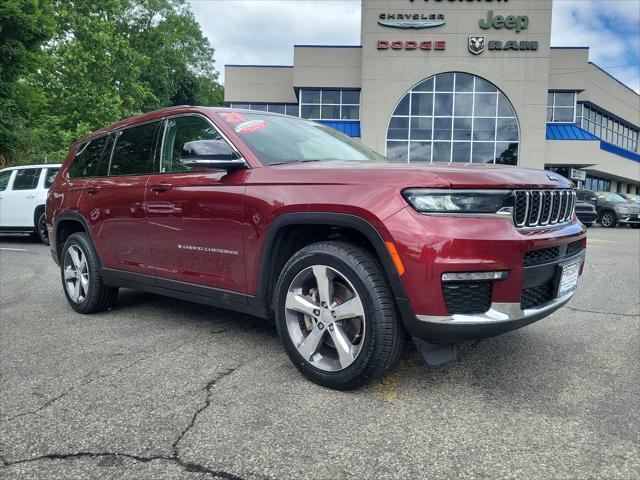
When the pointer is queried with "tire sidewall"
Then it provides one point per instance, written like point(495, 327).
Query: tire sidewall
point(43, 239)
point(80, 240)
point(351, 272)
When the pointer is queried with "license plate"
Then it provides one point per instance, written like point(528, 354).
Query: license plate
point(569, 278)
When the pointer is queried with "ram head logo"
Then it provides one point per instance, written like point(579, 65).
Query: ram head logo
point(477, 45)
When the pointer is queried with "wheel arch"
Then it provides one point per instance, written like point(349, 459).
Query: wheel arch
point(322, 222)
point(66, 224)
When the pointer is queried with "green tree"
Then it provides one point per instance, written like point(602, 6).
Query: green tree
point(105, 61)
point(24, 26)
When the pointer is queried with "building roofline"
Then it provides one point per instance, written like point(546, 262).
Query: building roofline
point(614, 78)
point(257, 66)
point(327, 46)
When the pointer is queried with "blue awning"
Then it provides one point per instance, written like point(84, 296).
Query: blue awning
point(568, 131)
point(348, 127)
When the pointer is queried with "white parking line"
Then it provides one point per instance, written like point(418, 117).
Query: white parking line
point(15, 249)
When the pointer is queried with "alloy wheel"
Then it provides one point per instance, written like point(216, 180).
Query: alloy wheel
point(325, 318)
point(76, 274)
point(607, 220)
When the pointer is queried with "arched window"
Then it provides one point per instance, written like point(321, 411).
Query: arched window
point(454, 117)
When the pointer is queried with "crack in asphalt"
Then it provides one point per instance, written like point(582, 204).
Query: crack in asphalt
point(187, 466)
point(207, 401)
point(51, 401)
point(602, 313)
point(175, 458)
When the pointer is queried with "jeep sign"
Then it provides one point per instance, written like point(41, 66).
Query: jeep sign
point(511, 22)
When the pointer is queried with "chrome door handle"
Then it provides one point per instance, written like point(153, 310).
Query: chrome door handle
point(31, 196)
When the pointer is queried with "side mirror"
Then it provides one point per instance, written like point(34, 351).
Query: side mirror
point(214, 154)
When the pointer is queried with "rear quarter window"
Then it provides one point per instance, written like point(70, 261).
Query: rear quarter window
point(51, 176)
point(87, 159)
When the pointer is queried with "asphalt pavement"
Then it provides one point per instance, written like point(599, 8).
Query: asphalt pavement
point(158, 388)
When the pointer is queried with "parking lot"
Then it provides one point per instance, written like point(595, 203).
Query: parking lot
point(164, 389)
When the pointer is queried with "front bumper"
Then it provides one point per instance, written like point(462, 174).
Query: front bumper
point(501, 318)
point(438, 245)
point(629, 219)
point(588, 218)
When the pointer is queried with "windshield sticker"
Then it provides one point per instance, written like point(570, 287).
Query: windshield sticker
point(232, 117)
point(251, 126)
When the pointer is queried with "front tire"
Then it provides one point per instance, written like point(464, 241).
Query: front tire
point(608, 220)
point(635, 225)
point(81, 281)
point(336, 316)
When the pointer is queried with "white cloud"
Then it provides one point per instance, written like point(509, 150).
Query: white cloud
point(263, 32)
point(611, 29)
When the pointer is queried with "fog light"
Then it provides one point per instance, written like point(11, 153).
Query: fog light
point(475, 276)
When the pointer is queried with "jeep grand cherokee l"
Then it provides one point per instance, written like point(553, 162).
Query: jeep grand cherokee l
point(278, 216)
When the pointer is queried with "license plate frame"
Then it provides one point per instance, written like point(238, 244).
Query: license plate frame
point(568, 277)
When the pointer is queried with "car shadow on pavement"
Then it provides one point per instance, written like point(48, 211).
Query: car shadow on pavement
point(24, 239)
point(500, 367)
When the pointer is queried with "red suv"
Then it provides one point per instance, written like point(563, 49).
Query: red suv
point(281, 217)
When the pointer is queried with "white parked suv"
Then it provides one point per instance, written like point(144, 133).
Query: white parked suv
point(23, 194)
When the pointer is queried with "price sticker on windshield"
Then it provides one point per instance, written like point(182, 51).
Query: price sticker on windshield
point(251, 126)
point(232, 117)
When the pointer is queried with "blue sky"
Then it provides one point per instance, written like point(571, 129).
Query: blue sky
point(264, 31)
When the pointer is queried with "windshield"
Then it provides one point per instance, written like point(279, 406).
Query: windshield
point(610, 197)
point(278, 139)
point(633, 198)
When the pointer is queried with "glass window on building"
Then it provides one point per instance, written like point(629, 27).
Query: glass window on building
point(561, 107)
point(597, 184)
point(607, 128)
point(323, 104)
point(454, 118)
point(291, 109)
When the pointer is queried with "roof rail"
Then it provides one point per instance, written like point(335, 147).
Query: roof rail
point(166, 108)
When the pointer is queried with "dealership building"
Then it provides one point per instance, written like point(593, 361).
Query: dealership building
point(460, 81)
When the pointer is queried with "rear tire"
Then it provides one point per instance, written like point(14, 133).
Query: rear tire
point(635, 225)
point(353, 339)
point(608, 220)
point(81, 281)
point(41, 229)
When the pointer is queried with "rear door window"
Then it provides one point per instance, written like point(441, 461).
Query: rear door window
point(51, 176)
point(87, 159)
point(26, 179)
point(132, 154)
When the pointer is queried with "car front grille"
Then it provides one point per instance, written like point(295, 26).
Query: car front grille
point(466, 298)
point(536, 208)
point(544, 255)
point(574, 247)
point(551, 254)
point(534, 296)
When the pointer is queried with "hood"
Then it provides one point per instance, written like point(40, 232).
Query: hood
point(407, 175)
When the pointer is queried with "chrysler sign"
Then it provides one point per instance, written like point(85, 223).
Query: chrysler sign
point(411, 20)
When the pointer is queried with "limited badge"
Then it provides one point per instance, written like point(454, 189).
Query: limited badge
point(251, 126)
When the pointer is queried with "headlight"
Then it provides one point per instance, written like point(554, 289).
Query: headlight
point(458, 201)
